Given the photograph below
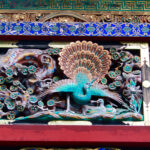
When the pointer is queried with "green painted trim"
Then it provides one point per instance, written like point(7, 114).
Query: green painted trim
point(87, 5)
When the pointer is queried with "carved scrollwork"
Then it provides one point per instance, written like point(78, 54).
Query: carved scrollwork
point(71, 16)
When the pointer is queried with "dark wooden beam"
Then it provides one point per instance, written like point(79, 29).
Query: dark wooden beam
point(73, 38)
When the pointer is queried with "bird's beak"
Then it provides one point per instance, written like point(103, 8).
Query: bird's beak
point(90, 84)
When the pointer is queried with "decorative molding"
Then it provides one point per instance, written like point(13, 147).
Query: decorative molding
point(69, 14)
point(75, 29)
point(72, 16)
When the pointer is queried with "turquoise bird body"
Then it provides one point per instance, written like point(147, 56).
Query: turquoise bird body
point(85, 63)
point(81, 89)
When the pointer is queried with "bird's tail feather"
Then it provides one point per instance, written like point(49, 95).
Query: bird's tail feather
point(56, 87)
point(85, 57)
point(115, 96)
point(109, 94)
point(49, 91)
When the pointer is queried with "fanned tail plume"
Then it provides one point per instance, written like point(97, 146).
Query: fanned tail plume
point(85, 57)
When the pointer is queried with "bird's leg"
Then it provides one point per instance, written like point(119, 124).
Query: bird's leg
point(54, 109)
point(68, 104)
point(84, 110)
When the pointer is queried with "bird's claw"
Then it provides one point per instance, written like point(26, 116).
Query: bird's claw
point(69, 111)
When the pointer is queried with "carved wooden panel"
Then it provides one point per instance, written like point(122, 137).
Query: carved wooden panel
point(84, 80)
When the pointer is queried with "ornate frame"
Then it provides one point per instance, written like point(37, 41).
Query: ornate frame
point(39, 135)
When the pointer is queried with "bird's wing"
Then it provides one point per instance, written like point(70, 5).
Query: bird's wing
point(101, 90)
point(65, 85)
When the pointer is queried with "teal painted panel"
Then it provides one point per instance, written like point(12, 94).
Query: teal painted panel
point(87, 5)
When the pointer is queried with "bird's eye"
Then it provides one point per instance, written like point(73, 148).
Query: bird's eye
point(86, 85)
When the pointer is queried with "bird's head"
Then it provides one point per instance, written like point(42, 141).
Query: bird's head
point(100, 101)
point(87, 86)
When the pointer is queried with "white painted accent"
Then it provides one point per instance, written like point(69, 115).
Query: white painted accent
point(6, 122)
point(144, 50)
point(70, 123)
point(146, 114)
point(8, 44)
point(58, 44)
point(146, 84)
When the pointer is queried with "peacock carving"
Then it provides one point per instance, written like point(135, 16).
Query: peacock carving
point(85, 63)
point(85, 82)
